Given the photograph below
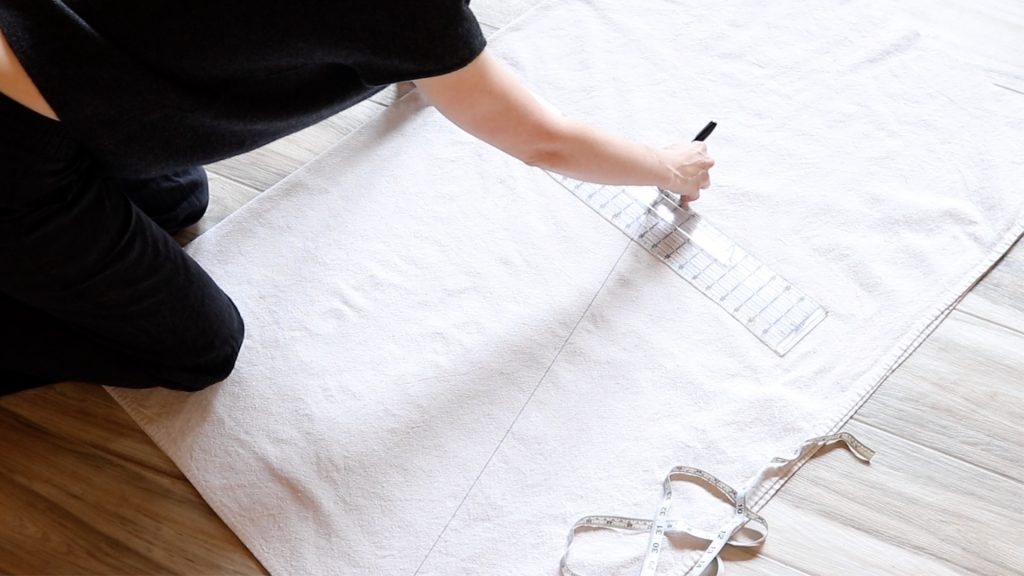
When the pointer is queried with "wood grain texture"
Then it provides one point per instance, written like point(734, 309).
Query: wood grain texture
point(266, 166)
point(941, 496)
point(999, 297)
point(911, 511)
point(393, 92)
point(84, 490)
point(746, 562)
point(960, 394)
point(226, 196)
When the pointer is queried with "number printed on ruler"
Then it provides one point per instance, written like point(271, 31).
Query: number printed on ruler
point(771, 308)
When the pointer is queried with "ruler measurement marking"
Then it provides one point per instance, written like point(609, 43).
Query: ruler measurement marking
point(754, 293)
point(784, 314)
point(710, 263)
point(609, 201)
point(674, 250)
point(740, 283)
point(671, 234)
point(805, 319)
point(770, 302)
point(651, 227)
point(771, 308)
point(727, 271)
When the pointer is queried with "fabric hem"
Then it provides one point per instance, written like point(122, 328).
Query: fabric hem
point(898, 354)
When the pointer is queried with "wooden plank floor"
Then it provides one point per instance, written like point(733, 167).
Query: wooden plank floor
point(83, 490)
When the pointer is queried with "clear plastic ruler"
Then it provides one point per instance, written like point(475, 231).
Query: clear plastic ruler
point(769, 306)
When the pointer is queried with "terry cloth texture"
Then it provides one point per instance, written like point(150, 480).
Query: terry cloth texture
point(450, 358)
point(187, 83)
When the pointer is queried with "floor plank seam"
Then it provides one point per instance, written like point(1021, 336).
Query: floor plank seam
point(927, 448)
point(991, 321)
point(770, 558)
point(381, 107)
point(373, 115)
point(373, 99)
point(144, 468)
point(111, 541)
point(234, 180)
point(893, 540)
point(12, 416)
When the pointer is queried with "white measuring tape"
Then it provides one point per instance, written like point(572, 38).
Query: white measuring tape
point(709, 563)
point(771, 308)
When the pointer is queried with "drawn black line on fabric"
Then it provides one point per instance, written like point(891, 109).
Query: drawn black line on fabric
point(767, 305)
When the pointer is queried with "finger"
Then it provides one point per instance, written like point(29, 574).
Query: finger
point(708, 163)
point(705, 182)
point(703, 147)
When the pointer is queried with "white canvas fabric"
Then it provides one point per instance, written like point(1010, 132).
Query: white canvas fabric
point(449, 359)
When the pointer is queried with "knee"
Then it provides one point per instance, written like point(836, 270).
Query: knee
point(195, 205)
point(215, 368)
point(173, 201)
point(212, 364)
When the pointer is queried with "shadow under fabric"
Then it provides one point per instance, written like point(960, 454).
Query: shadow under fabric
point(450, 359)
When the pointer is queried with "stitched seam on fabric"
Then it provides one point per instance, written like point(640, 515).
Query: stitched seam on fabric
point(523, 407)
point(901, 353)
point(761, 495)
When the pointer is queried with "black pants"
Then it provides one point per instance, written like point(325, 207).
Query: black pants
point(92, 286)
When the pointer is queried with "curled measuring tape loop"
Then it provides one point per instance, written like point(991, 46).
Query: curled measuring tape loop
point(662, 526)
point(728, 534)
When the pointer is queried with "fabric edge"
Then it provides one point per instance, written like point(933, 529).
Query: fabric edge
point(155, 434)
point(877, 376)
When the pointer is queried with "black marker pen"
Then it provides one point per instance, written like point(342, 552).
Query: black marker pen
point(705, 132)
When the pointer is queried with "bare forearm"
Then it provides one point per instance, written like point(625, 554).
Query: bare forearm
point(587, 153)
point(15, 82)
point(484, 99)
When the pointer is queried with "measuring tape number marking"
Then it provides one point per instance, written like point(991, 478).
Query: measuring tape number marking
point(709, 563)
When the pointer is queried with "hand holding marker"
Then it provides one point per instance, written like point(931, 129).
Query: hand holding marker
point(690, 172)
